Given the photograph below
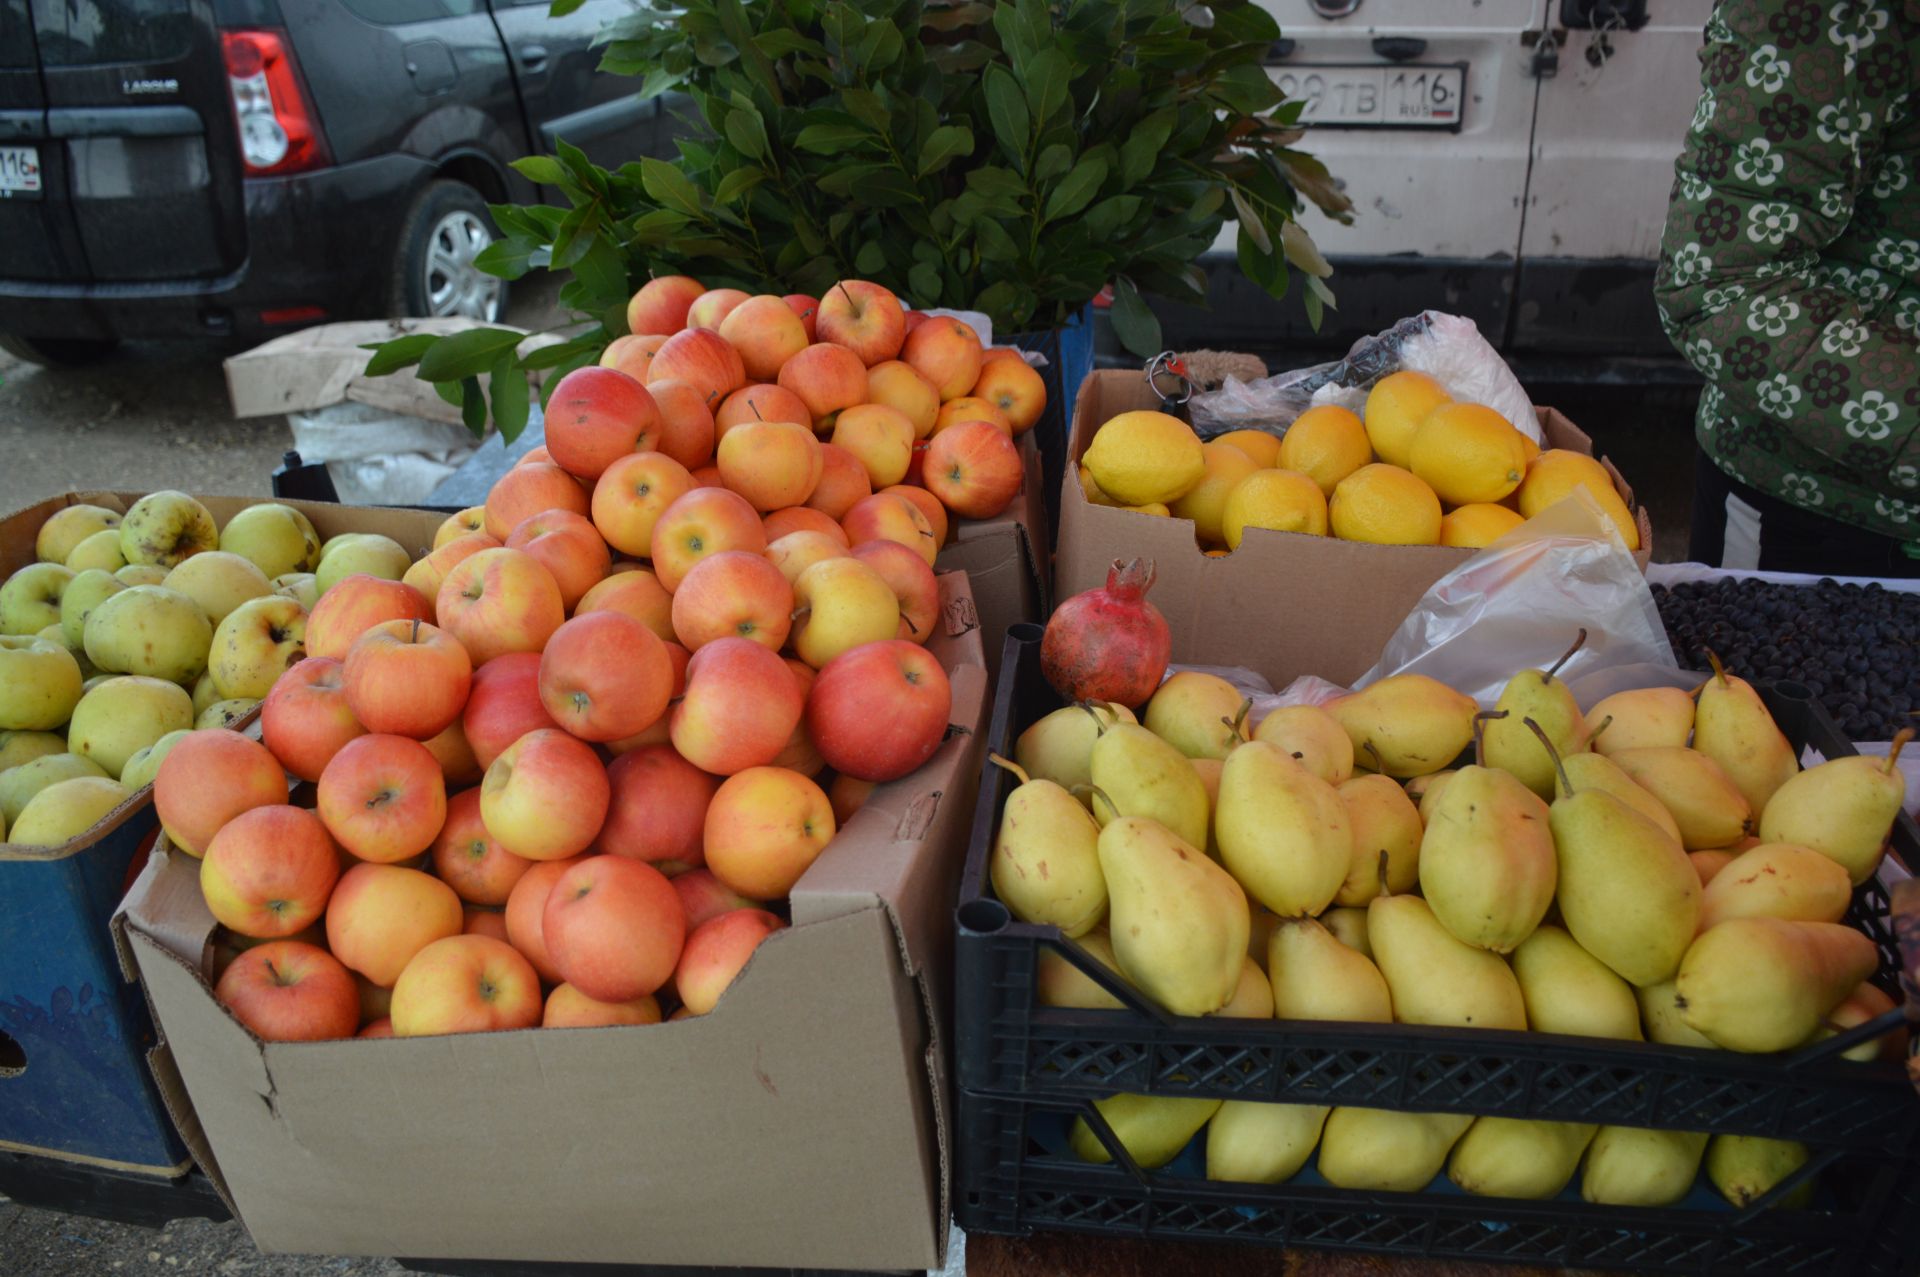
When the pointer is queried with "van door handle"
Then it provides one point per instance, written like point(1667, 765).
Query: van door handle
point(533, 57)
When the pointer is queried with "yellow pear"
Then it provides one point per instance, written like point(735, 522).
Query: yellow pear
point(1430, 792)
point(1208, 770)
point(1568, 990)
point(1746, 1167)
point(1178, 921)
point(1733, 727)
point(1640, 719)
point(1252, 997)
point(1777, 880)
point(1312, 736)
point(1195, 713)
point(1865, 1003)
point(1152, 1128)
point(1315, 977)
point(1349, 927)
point(1627, 892)
point(1696, 791)
point(1513, 1157)
point(1640, 1166)
point(1045, 862)
point(1765, 984)
point(1058, 983)
point(1844, 808)
point(1413, 724)
point(1708, 864)
point(1144, 776)
point(1486, 862)
point(1534, 694)
point(1283, 832)
point(1434, 978)
point(1059, 746)
point(1250, 1142)
point(1417, 787)
point(1660, 1017)
point(1385, 1151)
point(1386, 832)
point(1597, 771)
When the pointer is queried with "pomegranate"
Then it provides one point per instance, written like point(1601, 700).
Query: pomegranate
point(1108, 644)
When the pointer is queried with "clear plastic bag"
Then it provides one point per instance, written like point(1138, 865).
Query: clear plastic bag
point(1448, 348)
point(1516, 605)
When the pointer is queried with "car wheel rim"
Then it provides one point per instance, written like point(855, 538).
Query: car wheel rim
point(454, 285)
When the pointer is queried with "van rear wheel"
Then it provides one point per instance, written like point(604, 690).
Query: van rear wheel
point(58, 352)
point(434, 273)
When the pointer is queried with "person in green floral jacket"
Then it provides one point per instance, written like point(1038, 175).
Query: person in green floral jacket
point(1790, 277)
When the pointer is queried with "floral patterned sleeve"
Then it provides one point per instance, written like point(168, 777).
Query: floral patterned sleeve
point(1792, 250)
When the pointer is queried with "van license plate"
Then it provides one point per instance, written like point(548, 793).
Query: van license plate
point(1363, 95)
point(19, 171)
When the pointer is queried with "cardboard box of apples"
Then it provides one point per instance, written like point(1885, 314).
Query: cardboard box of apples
point(626, 745)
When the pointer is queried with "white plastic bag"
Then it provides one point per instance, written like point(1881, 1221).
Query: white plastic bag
point(379, 457)
point(1448, 348)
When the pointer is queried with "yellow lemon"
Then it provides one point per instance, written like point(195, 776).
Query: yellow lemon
point(1385, 505)
point(1468, 453)
point(1326, 444)
point(1206, 502)
point(1092, 489)
point(1258, 444)
point(1154, 508)
point(1528, 446)
point(1139, 458)
point(1472, 526)
point(1558, 471)
point(1396, 406)
point(1284, 500)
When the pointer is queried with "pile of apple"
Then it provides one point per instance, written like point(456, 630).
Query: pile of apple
point(129, 631)
point(538, 764)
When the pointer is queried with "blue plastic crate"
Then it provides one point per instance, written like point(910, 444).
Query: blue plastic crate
point(1069, 353)
point(74, 1083)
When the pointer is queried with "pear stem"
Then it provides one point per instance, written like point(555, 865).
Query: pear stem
point(1719, 670)
point(1480, 734)
point(1560, 768)
point(1100, 795)
point(1099, 728)
point(1579, 641)
point(1382, 870)
point(1238, 723)
point(1013, 767)
point(1900, 740)
point(1379, 764)
point(1594, 735)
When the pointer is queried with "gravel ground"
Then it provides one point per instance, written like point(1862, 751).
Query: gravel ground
point(43, 1243)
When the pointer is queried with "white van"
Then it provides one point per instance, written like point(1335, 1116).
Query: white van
point(1509, 160)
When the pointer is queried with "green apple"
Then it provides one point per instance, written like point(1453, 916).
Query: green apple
point(55, 634)
point(30, 600)
point(259, 641)
point(277, 539)
point(67, 528)
point(145, 763)
point(19, 784)
point(219, 582)
point(124, 715)
point(101, 550)
point(39, 683)
point(367, 552)
point(204, 692)
point(225, 713)
point(60, 813)
point(87, 591)
point(18, 748)
point(149, 629)
point(95, 681)
point(303, 587)
point(141, 574)
point(165, 528)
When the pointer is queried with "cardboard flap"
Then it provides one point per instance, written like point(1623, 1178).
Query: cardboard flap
point(879, 856)
point(165, 904)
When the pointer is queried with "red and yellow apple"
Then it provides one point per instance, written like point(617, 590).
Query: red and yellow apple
point(732, 593)
point(898, 385)
point(865, 318)
point(659, 809)
point(504, 705)
point(480, 870)
point(703, 522)
point(568, 1008)
point(382, 915)
point(841, 603)
point(270, 871)
point(974, 468)
point(826, 378)
point(740, 706)
point(613, 928)
point(207, 779)
point(911, 581)
point(305, 719)
point(568, 546)
point(765, 827)
point(407, 678)
point(596, 415)
point(528, 489)
point(465, 984)
point(357, 604)
point(637, 593)
point(289, 991)
point(546, 797)
point(383, 798)
point(660, 305)
point(605, 676)
point(766, 332)
point(703, 359)
point(500, 601)
point(879, 711)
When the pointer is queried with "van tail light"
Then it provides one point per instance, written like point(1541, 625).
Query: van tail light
point(279, 132)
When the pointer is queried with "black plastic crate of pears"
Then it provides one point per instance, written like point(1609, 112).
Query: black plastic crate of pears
point(1026, 1070)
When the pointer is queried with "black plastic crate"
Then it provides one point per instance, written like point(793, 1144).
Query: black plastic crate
point(1013, 1175)
point(1015, 1057)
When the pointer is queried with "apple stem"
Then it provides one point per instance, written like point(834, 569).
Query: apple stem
point(1579, 641)
point(1560, 768)
point(413, 636)
point(842, 286)
point(1013, 767)
point(754, 408)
